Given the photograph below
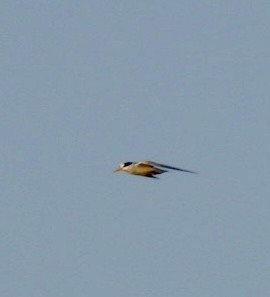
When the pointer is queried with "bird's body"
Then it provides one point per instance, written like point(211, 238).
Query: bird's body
point(146, 168)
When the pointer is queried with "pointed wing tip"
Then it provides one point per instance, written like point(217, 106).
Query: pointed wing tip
point(189, 171)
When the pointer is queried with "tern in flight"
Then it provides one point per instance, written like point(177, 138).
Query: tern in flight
point(146, 168)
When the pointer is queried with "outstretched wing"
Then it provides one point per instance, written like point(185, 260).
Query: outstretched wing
point(151, 163)
point(145, 165)
point(147, 169)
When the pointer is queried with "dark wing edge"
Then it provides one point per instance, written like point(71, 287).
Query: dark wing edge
point(167, 166)
point(151, 176)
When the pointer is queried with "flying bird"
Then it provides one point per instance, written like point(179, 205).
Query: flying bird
point(146, 168)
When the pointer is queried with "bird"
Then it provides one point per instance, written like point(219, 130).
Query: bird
point(147, 168)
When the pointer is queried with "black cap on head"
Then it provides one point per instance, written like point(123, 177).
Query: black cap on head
point(127, 163)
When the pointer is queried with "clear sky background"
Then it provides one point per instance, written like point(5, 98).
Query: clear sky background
point(86, 85)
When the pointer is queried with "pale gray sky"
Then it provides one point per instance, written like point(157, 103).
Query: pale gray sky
point(86, 85)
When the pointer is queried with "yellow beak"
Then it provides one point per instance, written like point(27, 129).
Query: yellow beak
point(117, 169)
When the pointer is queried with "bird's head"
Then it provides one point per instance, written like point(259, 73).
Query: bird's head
point(122, 166)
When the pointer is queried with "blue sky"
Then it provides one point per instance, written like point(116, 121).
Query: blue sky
point(86, 85)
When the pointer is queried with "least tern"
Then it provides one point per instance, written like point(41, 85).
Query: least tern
point(146, 168)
